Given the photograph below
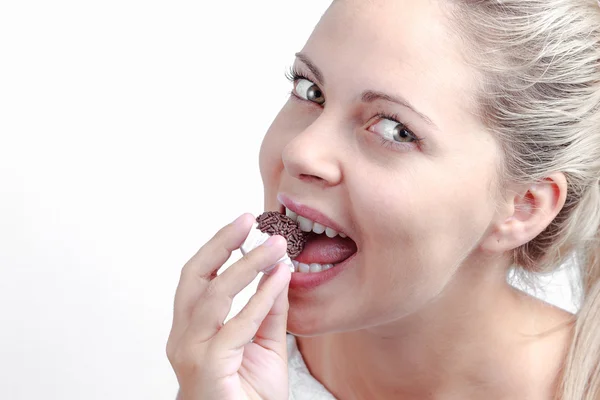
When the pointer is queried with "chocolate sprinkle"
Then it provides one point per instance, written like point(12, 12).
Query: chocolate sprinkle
point(276, 223)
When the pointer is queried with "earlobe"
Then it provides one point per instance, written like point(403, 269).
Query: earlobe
point(529, 214)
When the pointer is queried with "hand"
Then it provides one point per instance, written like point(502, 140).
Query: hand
point(217, 361)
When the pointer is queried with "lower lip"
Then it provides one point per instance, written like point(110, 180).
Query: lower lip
point(312, 280)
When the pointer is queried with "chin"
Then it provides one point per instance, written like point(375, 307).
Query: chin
point(307, 323)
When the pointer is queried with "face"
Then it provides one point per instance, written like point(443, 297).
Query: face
point(378, 136)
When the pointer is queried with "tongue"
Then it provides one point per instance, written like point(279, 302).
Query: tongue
point(324, 250)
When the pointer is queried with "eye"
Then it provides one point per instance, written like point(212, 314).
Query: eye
point(392, 130)
point(307, 90)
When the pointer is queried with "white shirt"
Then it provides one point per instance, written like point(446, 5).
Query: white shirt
point(303, 386)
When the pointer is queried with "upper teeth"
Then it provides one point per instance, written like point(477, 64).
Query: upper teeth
point(308, 225)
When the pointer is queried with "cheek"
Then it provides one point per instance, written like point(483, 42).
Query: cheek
point(417, 232)
point(428, 218)
point(426, 207)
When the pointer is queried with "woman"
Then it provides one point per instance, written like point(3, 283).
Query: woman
point(449, 141)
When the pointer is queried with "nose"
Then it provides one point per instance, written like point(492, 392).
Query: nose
point(313, 155)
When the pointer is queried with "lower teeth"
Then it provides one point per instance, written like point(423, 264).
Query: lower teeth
point(310, 268)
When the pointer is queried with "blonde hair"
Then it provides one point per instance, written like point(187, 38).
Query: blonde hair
point(539, 95)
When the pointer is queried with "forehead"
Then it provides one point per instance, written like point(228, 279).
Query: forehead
point(393, 45)
point(399, 30)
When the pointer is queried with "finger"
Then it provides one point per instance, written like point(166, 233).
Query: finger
point(215, 302)
point(197, 272)
point(242, 273)
point(272, 332)
point(240, 330)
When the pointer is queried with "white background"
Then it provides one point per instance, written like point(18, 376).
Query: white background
point(129, 134)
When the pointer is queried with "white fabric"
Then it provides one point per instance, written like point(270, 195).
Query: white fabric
point(303, 386)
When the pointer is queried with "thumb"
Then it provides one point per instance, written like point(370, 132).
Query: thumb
point(272, 332)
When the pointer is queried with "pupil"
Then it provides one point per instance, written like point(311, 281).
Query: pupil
point(401, 132)
point(314, 93)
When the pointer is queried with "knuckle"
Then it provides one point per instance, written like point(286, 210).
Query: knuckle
point(184, 271)
point(188, 269)
point(214, 300)
point(261, 293)
point(185, 360)
point(248, 258)
point(221, 234)
point(215, 244)
point(176, 356)
point(254, 322)
point(251, 321)
point(212, 291)
point(248, 315)
point(189, 273)
point(255, 257)
point(173, 343)
point(186, 364)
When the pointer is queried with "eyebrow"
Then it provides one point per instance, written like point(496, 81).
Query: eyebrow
point(313, 68)
point(368, 96)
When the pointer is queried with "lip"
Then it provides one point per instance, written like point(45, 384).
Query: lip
point(309, 281)
point(310, 213)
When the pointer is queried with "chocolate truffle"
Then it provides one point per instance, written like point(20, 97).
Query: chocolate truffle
point(275, 223)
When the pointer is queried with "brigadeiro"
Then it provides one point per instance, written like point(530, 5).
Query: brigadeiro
point(276, 223)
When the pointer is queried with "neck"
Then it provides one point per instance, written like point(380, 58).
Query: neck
point(470, 342)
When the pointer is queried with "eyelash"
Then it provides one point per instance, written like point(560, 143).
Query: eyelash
point(396, 118)
point(293, 75)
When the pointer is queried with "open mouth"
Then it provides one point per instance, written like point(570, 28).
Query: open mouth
point(325, 247)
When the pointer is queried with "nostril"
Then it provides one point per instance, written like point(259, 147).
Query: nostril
point(310, 178)
point(305, 176)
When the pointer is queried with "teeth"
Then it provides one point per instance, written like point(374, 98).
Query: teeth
point(318, 228)
point(291, 214)
point(330, 233)
point(310, 268)
point(314, 267)
point(303, 268)
point(307, 225)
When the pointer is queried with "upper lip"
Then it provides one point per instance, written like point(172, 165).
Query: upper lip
point(310, 213)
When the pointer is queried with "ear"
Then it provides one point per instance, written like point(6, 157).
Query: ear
point(526, 214)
